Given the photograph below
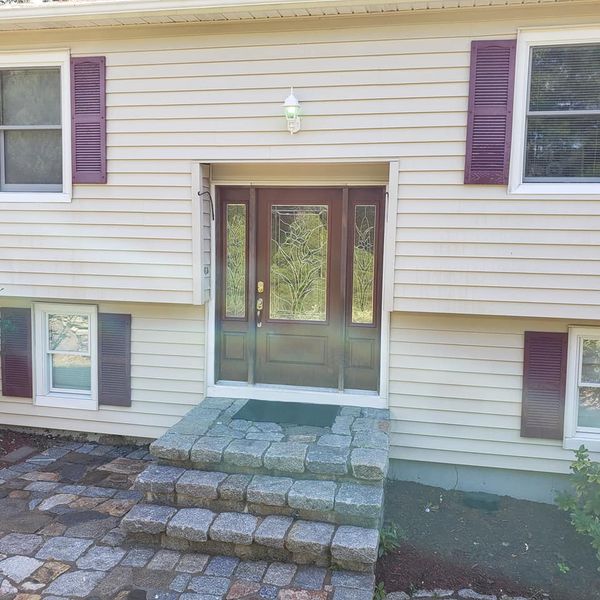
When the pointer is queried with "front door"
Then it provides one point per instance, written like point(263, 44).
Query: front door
point(299, 281)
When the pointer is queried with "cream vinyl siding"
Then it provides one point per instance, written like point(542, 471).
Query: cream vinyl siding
point(167, 376)
point(455, 392)
point(373, 88)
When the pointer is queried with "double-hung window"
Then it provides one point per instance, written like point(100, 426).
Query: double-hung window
point(65, 355)
point(556, 139)
point(582, 422)
point(35, 162)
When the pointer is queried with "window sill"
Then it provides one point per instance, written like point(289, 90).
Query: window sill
point(591, 442)
point(556, 189)
point(34, 197)
point(71, 401)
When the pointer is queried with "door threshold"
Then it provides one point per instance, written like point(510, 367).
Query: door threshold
point(292, 393)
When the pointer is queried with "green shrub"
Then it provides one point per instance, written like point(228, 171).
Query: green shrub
point(583, 505)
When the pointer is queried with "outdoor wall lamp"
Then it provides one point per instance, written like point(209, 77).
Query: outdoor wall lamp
point(291, 107)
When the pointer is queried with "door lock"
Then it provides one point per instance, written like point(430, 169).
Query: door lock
point(259, 304)
point(260, 287)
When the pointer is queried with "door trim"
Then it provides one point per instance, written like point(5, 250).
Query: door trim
point(301, 394)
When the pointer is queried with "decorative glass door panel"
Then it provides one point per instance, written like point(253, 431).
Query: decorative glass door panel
point(363, 263)
point(298, 265)
point(299, 286)
point(235, 250)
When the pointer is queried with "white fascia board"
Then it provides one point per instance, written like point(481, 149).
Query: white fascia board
point(80, 9)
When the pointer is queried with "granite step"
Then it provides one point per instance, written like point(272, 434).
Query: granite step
point(342, 503)
point(249, 537)
point(209, 438)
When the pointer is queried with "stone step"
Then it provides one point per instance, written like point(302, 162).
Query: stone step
point(342, 503)
point(249, 537)
point(210, 438)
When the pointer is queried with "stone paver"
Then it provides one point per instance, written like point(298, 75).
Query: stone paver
point(64, 548)
point(236, 528)
point(19, 568)
point(77, 584)
point(71, 543)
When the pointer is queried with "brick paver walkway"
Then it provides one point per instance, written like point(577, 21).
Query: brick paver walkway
point(60, 538)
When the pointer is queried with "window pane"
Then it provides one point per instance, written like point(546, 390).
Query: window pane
point(30, 97)
point(589, 407)
point(563, 147)
point(363, 264)
point(298, 269)
point(33, 157)
point(68, 333)
point(235, 274)
point(565, 77)
point(71, 372)
point(590, 361)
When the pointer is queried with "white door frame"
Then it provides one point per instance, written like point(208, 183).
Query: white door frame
point(307, 394)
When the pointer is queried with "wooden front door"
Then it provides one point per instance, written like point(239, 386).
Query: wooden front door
point(299, 282)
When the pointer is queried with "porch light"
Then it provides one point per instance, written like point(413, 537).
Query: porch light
point(291, 107)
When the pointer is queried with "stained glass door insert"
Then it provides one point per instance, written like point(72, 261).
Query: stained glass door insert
point(298, 265)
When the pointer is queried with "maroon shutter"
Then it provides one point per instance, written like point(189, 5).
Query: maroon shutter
point(88, 112)
point(15, 339)
point(114, 359)
point(544, 382)
point(489, 123)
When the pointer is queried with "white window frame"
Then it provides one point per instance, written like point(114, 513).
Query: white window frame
point(528, 38)
point(50, 58)
point(575, 436)
point(44, 395)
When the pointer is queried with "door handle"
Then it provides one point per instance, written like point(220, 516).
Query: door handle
point(259, 309)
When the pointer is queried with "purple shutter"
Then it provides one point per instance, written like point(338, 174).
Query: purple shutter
point(88, 115)
point(489, 124)
point(544, 383)
point(114, 359)
point(15, 337)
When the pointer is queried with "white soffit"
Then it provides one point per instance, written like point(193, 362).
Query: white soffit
point(60, 14)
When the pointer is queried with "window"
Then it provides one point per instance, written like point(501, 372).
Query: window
point(582, 422)
point(65, 355)
point(35, 162)
point(556, 134)
point(563, 114)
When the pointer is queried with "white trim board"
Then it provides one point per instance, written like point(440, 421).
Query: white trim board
point(312, 395)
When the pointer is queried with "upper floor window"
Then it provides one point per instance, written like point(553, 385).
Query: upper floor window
point(563, 114)
point(556, 121)
point(30, 130)
point(35, 144)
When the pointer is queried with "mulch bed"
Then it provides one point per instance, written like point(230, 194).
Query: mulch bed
point(517, 549)
point(12, 440)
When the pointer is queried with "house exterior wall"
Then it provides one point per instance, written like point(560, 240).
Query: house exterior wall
point(375, 89)
point(372, 90)
point(167, 376)
point(455, 392)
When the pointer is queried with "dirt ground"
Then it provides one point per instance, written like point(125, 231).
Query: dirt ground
point(12, 440)
point(521, 548)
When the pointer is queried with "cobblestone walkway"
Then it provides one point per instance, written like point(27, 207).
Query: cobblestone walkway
point(60, 538)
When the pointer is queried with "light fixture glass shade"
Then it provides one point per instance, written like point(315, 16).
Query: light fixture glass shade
point(292, 112)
